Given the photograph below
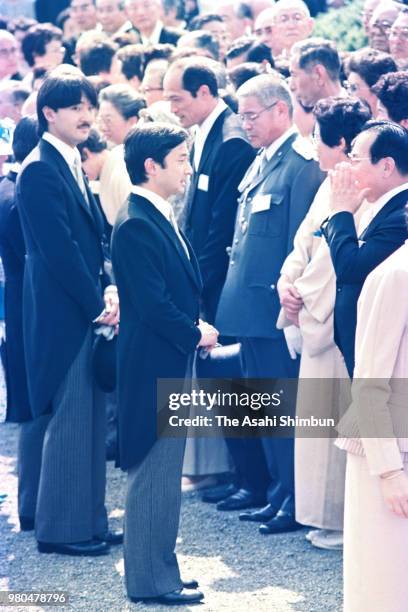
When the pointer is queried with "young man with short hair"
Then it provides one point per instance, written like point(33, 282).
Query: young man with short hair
point(159, 286)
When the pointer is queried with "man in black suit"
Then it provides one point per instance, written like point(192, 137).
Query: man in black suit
point(378, 172)
point(63, 279)
point(159, 287)
point(220, 158)
point(145, 17)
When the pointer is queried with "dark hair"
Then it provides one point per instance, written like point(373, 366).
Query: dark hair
point(196, 74)
point(97, 58)
point(244, 10)
point(122, 39)
point(178, 4)
point(159, 51)
point(391, 141)
point(201, 39)
point(392, 91)
point(95, 142)
point(341, 118)
point(132, 59)
point(370, 64)
point(198, 23)
point(150, 140)
point(62, 91)
point(36, 40)
point(259, 52)
point(314, 51)
point(243, 72)
point(25, 138)
point(239, 46)
point(124, 98)
point(20, 24)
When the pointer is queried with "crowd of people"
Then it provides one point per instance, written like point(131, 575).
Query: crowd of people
point(207, 187)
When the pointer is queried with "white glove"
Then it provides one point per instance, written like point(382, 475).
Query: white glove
point(294, 340)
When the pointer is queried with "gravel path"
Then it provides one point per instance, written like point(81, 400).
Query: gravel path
point(238, 569)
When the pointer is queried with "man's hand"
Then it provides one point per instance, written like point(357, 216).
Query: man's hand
point(209, 335)
point(395, 493)
point(346, 195)
point(290, 299)
point(111, 313)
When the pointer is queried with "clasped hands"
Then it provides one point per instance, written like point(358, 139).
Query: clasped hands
point(111, 313)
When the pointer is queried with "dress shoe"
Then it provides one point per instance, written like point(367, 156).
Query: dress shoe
point(175, 598)
point(240, 500)
point(281, 523)
point(111, 537)
point(190, 584)
point(216, 494)
point(259, 516)
point(26, 523)
point(91, 548)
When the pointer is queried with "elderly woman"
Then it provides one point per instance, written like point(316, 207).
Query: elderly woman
point(307, 293)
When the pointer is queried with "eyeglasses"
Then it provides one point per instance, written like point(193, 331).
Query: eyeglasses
point(8, 52)
point(251, 117)
point(146, 89)
point(265, 30)
point(80, 7)
point(355, 158)
point(382, 25)
point(296, 17)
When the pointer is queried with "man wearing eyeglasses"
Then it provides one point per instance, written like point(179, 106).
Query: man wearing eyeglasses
point(276, 193)
point(398, 40)
point(8, 56)
point(281, 26)
point(378, 172)
point(380, 25)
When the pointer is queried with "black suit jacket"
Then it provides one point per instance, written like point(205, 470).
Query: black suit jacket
point(159, 289)
point(12, 252)
point(167, 35)
point(62, 277)
point(211, 203)
point(353, 260)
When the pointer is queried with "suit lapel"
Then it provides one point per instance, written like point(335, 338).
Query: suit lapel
point(398, 201)
point(191, 266)
point(72, 184)
point(250, 181)
point(209, 141)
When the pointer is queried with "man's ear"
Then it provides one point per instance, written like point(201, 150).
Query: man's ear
point(132, 121)
point(320, 72)
point(310, 24)
point(49, 114)
point(404, 123)
point(150, 166)
point(388, 166)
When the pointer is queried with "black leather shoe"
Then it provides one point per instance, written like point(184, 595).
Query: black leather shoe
point(175, 598)
point(259, 516)
point(216, 494)
point(111, 537)
point(281, 523)
point(26, 524)
point(91, 548)
point(241, 500)
point(190, 584)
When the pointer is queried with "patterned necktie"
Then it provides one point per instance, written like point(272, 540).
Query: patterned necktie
point(80, 178)
point(177, 231)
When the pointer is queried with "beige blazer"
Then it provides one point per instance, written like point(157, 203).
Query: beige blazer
point(114, 184)
point(378, 414)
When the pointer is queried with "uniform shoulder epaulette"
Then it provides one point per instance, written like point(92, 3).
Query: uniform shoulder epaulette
point(304, 147)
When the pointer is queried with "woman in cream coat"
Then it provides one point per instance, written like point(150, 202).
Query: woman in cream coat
point(376, 504)
point(307, 290)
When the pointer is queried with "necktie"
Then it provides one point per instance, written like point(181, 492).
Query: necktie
point(80, 178)
point(179, 236)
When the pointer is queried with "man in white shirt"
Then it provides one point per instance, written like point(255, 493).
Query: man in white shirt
point(221, 154)
point(63, 282)
point(145, 17)
point(159, 287)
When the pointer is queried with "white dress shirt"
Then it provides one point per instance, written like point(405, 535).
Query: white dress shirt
point(154, 37)
point(375, 207)
point(276, 144)
point(204, 129)
point(70, 154)
point(164, 208)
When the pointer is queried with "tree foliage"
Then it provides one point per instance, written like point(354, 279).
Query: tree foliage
point(343, 26)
